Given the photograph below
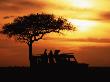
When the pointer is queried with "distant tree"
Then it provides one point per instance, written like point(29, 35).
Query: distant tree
point(33, 27)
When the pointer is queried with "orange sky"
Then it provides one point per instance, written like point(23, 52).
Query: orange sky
point(90, 42)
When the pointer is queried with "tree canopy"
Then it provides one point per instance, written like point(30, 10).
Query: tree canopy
point(35, 26)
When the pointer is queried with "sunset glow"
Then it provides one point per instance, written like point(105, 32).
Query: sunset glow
point(90, 41)
point(82, 25)
point(81, 4)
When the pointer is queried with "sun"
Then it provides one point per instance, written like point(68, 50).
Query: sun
point(82, 25)
point(81, 3)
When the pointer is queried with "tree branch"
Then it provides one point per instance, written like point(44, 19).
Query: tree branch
point(36, 39)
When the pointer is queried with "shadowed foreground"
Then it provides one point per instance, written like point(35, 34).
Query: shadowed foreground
point(55, 67)
point(56, 73)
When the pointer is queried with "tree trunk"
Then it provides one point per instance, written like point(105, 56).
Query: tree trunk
point(30, 53)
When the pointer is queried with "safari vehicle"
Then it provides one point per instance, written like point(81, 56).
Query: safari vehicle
point(57, 58)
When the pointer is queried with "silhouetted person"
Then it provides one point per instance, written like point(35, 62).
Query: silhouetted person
point(45, 52)
point(51, 60)
point(57, 56)
point(45, 57)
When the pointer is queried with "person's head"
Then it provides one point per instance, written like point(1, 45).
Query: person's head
point(57, 51)
point(45, 49)
point(50, 51)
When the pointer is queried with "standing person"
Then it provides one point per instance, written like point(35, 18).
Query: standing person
point(51, 60)
point(57, 56)
point(45, 52)
point(45, 57)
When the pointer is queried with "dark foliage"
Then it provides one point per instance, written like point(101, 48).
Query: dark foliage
point(35, 26)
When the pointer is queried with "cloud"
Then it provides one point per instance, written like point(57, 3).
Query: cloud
point(92, 40)
point(11, 54)
point(4, 43)
point(15, 5)
point(95, 55)
point(7, 17)
point(105, 15)
point(30, 6)
point(93, 15)
point(103, 40)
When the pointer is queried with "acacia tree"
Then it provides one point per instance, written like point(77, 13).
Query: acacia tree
point(33, 27)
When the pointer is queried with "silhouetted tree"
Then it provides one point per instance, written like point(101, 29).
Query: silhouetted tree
point(33, 27)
